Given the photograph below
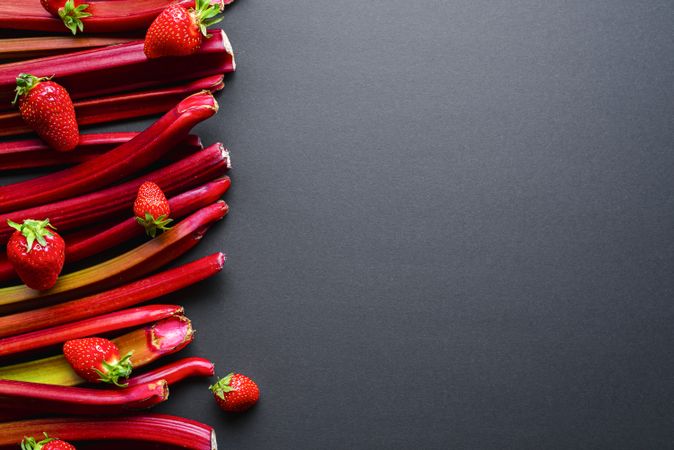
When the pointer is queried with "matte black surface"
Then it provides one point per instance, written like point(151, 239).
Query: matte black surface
point(451, 226)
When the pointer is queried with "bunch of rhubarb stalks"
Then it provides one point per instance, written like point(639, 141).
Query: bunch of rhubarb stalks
point(75, 343)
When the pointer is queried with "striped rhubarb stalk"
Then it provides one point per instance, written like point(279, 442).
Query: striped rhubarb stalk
point(132, 294)
point(128, 158)
point(39, 47)
point(122, 106)
point(31, 153)
point(26, 399)
point(95, 326)
point(168, 431)
point(146, 345)
point(119, 68)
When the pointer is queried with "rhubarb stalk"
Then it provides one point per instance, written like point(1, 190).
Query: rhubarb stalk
point(126, 267)
point(120, 106)
point(132, 294)
point(134, 155)
point(146, 345)
point(176, 371)
point(95, 326)
point(31, 153)
point(119, 68)
point(90, 242)
point(106, 15)
point(38, 47)
point(150, 428)
point(26, 399)
point(93, 208)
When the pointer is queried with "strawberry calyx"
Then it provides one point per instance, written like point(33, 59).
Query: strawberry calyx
point(25, 82)
point(33, 230)
point(153, 225)
point(204, 14)
point(72, 15)
point(29, 443)
point(116, 370)
point(221, 387)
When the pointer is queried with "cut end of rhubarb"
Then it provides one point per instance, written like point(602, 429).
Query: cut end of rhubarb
point(201, 100)
point(161, 387)
point(228, 48)
point(220, 261)
point(170, 334)
point(214, 441)
point(226, 156)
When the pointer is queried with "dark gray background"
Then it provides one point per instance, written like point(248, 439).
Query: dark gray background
point(451, 226)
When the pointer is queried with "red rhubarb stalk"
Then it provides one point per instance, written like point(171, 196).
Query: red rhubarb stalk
point(39, 47)
point(126, 267)
point(26, 398)
point(105, 17)
point(90, 242)
point(119, 68)
point(93, 208)
point(128, 158)
point(151, 428)
point(31, 153)
point(132, 294)
point(176, 371)
point(146, 345)
point(95, 326)
point(121, 106)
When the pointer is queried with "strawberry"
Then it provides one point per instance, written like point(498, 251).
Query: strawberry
point(70, 13)
point(179, 31)
point(97, 360)
point(29, 443)
point(38, 264)
point(151, 208)
point(46, 107)
point(235, 392)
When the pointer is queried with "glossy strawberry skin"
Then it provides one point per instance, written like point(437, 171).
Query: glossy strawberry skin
point(49, 111)
point(88, 357)
point(151, 199)
point(175, 32)
point(235, 393)
point(40, 267)
point(58, 444)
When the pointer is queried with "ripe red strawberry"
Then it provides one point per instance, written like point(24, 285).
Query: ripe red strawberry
point(151, 208)
point(97, 360)
point(38, 264)
point(46, 107)
point(235, 392)
point(179, 31)
point(29, 443)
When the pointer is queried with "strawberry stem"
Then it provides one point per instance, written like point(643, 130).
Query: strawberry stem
point(204, 15)
point(29, 443)
point(116, 370)
point(72, 15)
point(153, 225)
point(25, 82)
point(33, 230)
point(222, 386)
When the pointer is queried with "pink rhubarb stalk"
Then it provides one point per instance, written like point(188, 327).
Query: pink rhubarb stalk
point(26, 399)
point(176, 371)
point(146, 345)
point(124, 268)
point(150, 428)
point(106, 204)
point(95, 326)
point(128, 158)
point(91, 242)
point(118, 68)
point(120, 106)
point(39, 47)
point(31, 153)
point(132, 294)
